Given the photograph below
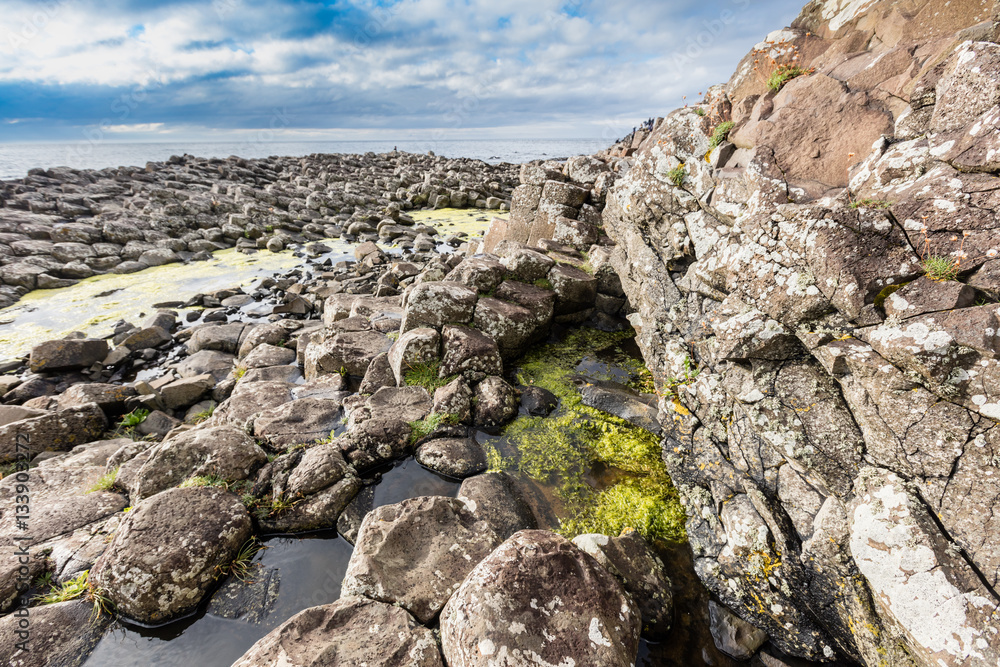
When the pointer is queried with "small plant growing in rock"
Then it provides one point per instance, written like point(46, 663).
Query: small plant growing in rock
point(204, 480)
point(543, 283)
point(871, 203)
point(720, 133)
point(677, 175)
point(940, 268)
point(426, 376)
point(422, 428)
point(778, 63)
point(203, 415)
point(783, 74)
point(79, 587)
point(239, 372)
point(126, 426)
point(106, 481)
point(242, 565)
point(699, 111)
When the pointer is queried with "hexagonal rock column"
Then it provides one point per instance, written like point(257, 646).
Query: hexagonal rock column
point(538, 599)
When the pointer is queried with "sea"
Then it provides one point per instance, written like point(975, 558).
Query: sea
point(17, 158)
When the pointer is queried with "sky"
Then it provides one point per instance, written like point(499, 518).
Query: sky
point(160, 70)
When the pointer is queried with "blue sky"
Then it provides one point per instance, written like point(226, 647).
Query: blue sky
point(160, 70)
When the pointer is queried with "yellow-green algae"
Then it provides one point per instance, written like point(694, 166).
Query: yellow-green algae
point(473, 222)
point(607, 472)
point(95, 304)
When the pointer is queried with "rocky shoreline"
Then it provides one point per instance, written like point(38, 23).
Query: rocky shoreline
point(808, 258)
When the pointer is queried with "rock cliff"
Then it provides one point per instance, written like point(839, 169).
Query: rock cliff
point(811, 255)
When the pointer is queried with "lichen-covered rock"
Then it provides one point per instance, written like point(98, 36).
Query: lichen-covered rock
point(249, 400)
point(469, 352)
point(538, 599)
point(482, 273)
point(66, 354)
point(495, 498)
point(58, 431)
point(265, 354)
point(640, 572)
point(221, 338)
point(403, 403)
point(62, 634)
point(455, 399)
point(454, 457)
point(496, 403)
point(152, 579)
point(301, 421)
point(575, 290)
point(416, 553)
point(414, 348)
point(376, 441)
point(352, 630)
point(734, 636)
point(350, 351)
point(222, 451)
point(434, 304)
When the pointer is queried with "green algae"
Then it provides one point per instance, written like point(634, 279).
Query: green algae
point(473, 222)
point(607, 473)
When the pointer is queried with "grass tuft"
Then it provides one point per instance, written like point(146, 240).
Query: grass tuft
point(940, 268)
point(677, 175)
point(426, 376)
point(79, 587)
point(242, 565)
point(783, 74)
point(422, 428)
point(105, 483)
point(720, 133)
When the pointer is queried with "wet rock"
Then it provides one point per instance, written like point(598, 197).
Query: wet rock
point(416, 553)
point(152, 580)
point(53, 431)
point(469, 352)
point(734, 636)
point(434, 304)
point(415, 347)
point(638, 409)
point(343, 631)
point(538, 402)
point(495, 498)
point(298, 422)
point(453, 457)
point(540, 599)
point(222, 451)
point(250, 599)
point(66, 354)
point(642, 574)
point(350, 519)
point(62, 634)
point(496, 403)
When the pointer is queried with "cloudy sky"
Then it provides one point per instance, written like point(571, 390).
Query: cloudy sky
point(358, 69)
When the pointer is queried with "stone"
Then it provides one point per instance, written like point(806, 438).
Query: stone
point(378, 375)
point(416, 553)
point(538, 402)
point(64, 633)
point(575, 290)
point(924, 295)
point(482, 273)
point(215, 363)
point(58, 431)
point(576, 234)
point(496, 404)
point(351, 351)
point(145, 339)
point(414, 348)
point(585, 169)
point(14, 413)
point(221, 338)
point(221, 451)
point(733, 636)
point(298, 422)
point(453, 457)
point(186, 391)
point(638, 409)
point(67, 354)
point(342, 632)
point(259, 334)
point(110, 398)
point(158, 423)
point(455, 399)
point(434, 304)
point(265, 355)
point(495, 498)
point(249, 400)
point(539, 599)
point(404, 403)
point(641, 573)
point(469, 351)
point(563, 194)
point(528, 265)
point(511, 326)
point(151, 580)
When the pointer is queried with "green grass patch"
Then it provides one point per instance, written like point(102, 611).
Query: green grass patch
point(783, 74)
point(940, 268)
point(880, 204)
point(239, 372)
point(721, 133)
point(422, 428)
point(426, 376)
point(677, 175)
point(199, 417)
point(544, 283)
point(106, 482)
point(77, 588)
point(204, 480)
point(699, 111)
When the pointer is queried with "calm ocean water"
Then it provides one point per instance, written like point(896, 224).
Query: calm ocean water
point(17, 159)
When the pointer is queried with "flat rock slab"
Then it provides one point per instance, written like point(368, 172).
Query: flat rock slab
point(301, 421)
point(404, 403)
point(68, 354)
point(53, 431)
point(416, 553)
point(351, 631)
point(62, 634)
point(165, 555)
point(622, 402)
point(434, 304)
point(538, 599)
